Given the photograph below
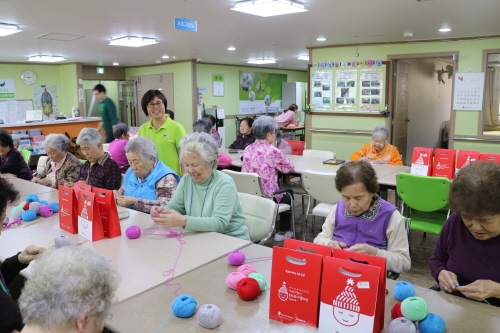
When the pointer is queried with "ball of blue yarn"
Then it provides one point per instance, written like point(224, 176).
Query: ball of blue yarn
point(432, 324)
point(403, 290)
point(184, 306)
point(44, 202)
point(55, 206)
point(28, 215)
point(32, 198)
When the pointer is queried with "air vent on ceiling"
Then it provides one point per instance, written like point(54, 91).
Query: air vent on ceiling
point(59, 37)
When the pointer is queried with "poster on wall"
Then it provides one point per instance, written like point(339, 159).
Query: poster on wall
point(259, 90)
point(469, 91)
point(371, 90)
point(321, 92)
point(346, 86)
point(7, 89)
point(46, 98)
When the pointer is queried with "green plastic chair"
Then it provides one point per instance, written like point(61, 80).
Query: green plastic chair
point(425, 201)
point(26, 154)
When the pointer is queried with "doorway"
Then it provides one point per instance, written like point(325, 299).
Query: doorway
point(422, 101)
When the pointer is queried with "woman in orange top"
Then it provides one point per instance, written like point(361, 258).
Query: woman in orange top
point(378, 151)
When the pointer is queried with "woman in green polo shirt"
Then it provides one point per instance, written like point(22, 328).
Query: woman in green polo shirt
point(165, 132)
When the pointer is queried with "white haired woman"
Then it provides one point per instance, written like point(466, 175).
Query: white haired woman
point(206, 199)
point(100, 170)
point(70, 289)
point(61, 167)
point(378, 151)
point(148, 182)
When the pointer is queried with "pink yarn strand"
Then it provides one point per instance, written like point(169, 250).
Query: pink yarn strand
point(252, 260)
point(13, 223)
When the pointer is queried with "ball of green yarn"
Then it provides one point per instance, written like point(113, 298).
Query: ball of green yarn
point(17, 208)
point(414, 308)
point(260, 279)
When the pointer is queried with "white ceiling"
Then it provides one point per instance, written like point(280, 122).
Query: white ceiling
point(281, 37)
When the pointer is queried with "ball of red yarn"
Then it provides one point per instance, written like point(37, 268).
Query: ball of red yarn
point(396, 311)
point(26, 206)
point(133, 232)
point(236, 258)
point(248, 289)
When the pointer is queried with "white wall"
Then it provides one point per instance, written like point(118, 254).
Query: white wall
point(429, 103)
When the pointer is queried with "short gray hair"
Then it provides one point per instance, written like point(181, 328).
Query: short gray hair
point(380, 132)
point(15, 140)
point(202, 126)
point(201, 144)
point(119, 130)
point(57, 142)
point(144, 147)
point(66, 283)
point(264, 125)
point(89, 136)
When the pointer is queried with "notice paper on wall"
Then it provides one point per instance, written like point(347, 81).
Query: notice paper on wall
point(14, 110)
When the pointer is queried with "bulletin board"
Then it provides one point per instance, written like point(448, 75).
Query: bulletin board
point(348, 87)
point(12, 111)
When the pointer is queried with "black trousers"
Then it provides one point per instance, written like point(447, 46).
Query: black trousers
point(286, 217)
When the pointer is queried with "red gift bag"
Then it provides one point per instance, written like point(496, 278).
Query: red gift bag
point(465, 157)
point(68, 212)
point(444, 163)
point(299, 245)
point(421, 161)
point(295, 282)
point(489, 157)
point(375, 261)
point(81, 187)
point(109, 212)
point(89, 217)
point(349, 297)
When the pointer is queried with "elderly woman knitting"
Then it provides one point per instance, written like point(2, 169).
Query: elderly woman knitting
point(378, 151)
point(62, 167)
point(11, 160)
point(363, 222)
point(70, 289)
point(148, 182)
point(100, 170)
point(266, 160)
point(206, 199)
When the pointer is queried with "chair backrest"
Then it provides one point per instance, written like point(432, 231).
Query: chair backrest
point(246, 182)
point(105, 146)
point(297, 146)
point(26, 154)
point(260, 216)
point(318, 153)
point(41, 163)
point(423, 193)
point(320, 186)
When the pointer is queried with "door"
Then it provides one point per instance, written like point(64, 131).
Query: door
point(127, 104)
point(400, 119)
point(142, 87)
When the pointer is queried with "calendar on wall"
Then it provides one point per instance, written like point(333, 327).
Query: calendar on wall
point(469, 91)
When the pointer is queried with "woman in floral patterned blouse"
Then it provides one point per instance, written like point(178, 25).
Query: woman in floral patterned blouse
point(263, 158)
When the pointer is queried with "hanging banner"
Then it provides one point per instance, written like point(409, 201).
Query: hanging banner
point(258, 91)
point(7, 88)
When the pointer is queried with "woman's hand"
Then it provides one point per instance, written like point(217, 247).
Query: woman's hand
point(30, 253)
point(337, 245)
point(480, 290)
point(448, 281)
point(380, 161)
point(155, 211)
point(45, 182)
point(170, 219)
point(364, 159)
point(363, 248)
point(35, 180)
point(124, 200)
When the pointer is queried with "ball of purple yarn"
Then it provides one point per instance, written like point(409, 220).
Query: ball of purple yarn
point(236, 258)
point(133, 232)
point(45, 211)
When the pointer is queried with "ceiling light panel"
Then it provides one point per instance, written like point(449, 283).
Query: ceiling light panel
point(8, 29)
point(133, 41)
point(303, 57)
point(261, 61)
point(266, 8)
point(46, 58)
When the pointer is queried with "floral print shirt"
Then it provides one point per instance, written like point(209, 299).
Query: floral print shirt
point(266, 160)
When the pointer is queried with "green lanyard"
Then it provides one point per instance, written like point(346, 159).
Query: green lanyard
point(4, 285)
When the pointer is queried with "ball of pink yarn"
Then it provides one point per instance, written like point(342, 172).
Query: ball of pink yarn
point(133, 232)
point(236, 258)
point(46, 211)
point(233, 279)
point(246, 269)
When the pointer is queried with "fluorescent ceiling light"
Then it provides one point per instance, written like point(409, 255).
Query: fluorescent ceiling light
point(267, 8)
point(231, 48)
point(8, 29)
point(133, 41)
point(303, 57)
point(46, 58)
point(261, 61)
point(321, 39)
point(165, 56)
point(445, 29)
point(116, 63)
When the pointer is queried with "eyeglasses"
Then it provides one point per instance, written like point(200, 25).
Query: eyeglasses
point(157, 104)
point(378, 143)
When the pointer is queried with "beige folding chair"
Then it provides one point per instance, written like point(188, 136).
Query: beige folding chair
point(42, 161)
point(250, 183)
point(260, 216)
point(320, 186)
point(105, 147)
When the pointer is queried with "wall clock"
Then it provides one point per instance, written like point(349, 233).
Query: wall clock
point(28, 77)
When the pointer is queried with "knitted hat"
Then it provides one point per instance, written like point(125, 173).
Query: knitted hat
point(347, 300)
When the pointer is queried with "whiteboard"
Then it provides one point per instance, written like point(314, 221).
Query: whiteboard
point(12, 111)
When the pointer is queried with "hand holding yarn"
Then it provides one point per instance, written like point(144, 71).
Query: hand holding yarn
point(29, 254)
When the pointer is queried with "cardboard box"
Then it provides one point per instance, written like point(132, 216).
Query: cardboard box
point(421, 161)
point(444, 163)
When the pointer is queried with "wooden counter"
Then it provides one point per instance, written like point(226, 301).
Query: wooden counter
point(70, 125)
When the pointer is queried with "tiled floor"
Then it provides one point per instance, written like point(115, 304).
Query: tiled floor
point(421, 247)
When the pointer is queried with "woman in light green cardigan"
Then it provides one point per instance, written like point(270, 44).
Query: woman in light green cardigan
point(205, 199)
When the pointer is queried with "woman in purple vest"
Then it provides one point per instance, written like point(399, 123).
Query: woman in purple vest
point(363, 222)
point(466, 259)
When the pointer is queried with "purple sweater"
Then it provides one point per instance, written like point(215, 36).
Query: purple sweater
point(14, 163)
point(470, 259)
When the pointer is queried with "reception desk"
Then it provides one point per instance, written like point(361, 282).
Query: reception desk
point(70, 125)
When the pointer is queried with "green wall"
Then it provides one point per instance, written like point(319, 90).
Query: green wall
point(68, 90)
point(470, 54)
point(230, 101)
